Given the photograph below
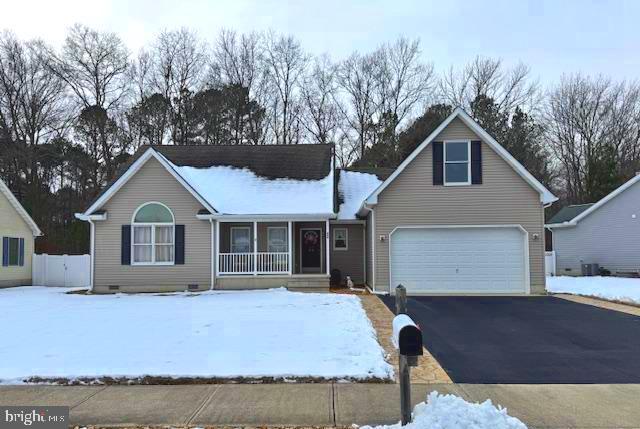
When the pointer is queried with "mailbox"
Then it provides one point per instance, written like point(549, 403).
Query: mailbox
point(407, 336)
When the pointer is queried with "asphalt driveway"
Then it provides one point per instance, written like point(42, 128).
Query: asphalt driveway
point(527, 339)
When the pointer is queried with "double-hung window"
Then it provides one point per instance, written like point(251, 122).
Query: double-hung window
point(12, 252)
point(153, 235)
point(457, 163)
point(277, 239)
point(241, 239)
point(340, 239)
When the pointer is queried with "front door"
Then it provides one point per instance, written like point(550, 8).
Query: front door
point(311, 250)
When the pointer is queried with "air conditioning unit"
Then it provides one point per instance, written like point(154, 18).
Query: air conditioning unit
point(589, 270)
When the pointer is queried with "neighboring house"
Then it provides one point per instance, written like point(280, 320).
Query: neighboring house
point(604, 233)
point(459, 215)
point(18, 231)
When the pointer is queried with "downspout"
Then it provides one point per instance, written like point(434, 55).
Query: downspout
point(92, 245)
point(213, 255)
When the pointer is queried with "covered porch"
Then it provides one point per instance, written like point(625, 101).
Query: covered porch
point(272, 248)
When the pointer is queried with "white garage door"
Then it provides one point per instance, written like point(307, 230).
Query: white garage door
point(458, 260)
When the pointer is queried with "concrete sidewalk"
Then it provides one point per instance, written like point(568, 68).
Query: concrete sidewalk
point(336, 404)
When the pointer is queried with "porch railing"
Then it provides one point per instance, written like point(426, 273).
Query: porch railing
point(243, 263)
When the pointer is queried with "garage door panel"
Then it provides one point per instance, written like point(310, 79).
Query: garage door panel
point(457, 260)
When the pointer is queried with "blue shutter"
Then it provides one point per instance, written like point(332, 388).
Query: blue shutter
point(125, 245)
point(438, 163)
point(21, 253)
point(179, 257)
point(476, 162)
point(5, 251)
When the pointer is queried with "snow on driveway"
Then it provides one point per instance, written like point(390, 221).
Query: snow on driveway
point(611, 288)
point(273, 333)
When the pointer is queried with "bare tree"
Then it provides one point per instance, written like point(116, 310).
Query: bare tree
point(508, 88)
point(94, 65)
point(404, 81)
point(179, 66)
point(358, 79)
point(286, 63)
point(321, 117)
point(593, 127)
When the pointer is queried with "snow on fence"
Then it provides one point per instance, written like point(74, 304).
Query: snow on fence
point(550, 263)
point(61, 270)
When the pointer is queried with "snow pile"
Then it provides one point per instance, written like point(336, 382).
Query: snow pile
point(240, 191)
point(354, 187)
point(271, 333)
point(453, 412)
point(611, 288)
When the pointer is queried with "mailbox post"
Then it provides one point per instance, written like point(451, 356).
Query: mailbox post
point(408, 340)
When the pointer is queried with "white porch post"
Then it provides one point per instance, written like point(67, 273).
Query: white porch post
point(255, 248)
point(217, 252)
point(289, 248)
point(328, 264)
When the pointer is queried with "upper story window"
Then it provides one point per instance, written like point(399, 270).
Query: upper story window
point(457, 163)
point(277, 239)
point(153, 235)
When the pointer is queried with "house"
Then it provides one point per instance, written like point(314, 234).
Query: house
point(18, 232)
point(459, 215)
point(603, 233)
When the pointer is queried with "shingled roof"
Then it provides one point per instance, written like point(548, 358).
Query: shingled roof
point(569, 212)
point(298, 162)
point(301, 161)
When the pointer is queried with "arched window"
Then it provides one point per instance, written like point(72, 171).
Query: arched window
point(153, 235)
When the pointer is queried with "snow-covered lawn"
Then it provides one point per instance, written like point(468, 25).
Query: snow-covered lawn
point(47, 333)
point(453, 412)
point(611, 288)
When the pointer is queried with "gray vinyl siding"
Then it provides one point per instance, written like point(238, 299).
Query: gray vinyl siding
point(503, 198)
point(13, 225)
point(608, 236)
point(350, 262)
point(152, 183)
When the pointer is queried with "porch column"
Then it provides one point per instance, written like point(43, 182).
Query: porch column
point(216, 255)
point(326, 236)
point(255, 248)
point(289, 248)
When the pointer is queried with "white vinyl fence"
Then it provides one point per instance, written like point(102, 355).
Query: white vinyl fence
point(550, 263)
point(61, 270)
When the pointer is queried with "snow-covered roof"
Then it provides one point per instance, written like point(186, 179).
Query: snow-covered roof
point(4, 189)
point(354, 187)
point(240, 191)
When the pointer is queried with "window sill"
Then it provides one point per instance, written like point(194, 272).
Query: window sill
point(458, 184)
point(152, 264)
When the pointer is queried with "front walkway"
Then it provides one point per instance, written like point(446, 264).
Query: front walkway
point(332, 404)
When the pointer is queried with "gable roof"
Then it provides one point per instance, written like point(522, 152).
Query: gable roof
point(569, 212)
point(257, 177)
point(18, 207)
point(546, 197)
point(595, 206)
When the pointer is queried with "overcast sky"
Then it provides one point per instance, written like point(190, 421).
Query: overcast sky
point(553, 37)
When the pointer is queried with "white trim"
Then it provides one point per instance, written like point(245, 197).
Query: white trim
point(92, 246)
point(213, 257)
point(248, 228)
point(133, 169)
point(347, 222)
point(364, 253)
point(525, 234)
point(327, 231)
point(21, 211)
point(444, 163)
point(597, 205)
point(153, 226)
point(217, 253)
point(269, 229)
point(545, 195)
point(290, 240)
point(255, 248)
point(346, 239)
point(314, 228)
point(296, 217)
